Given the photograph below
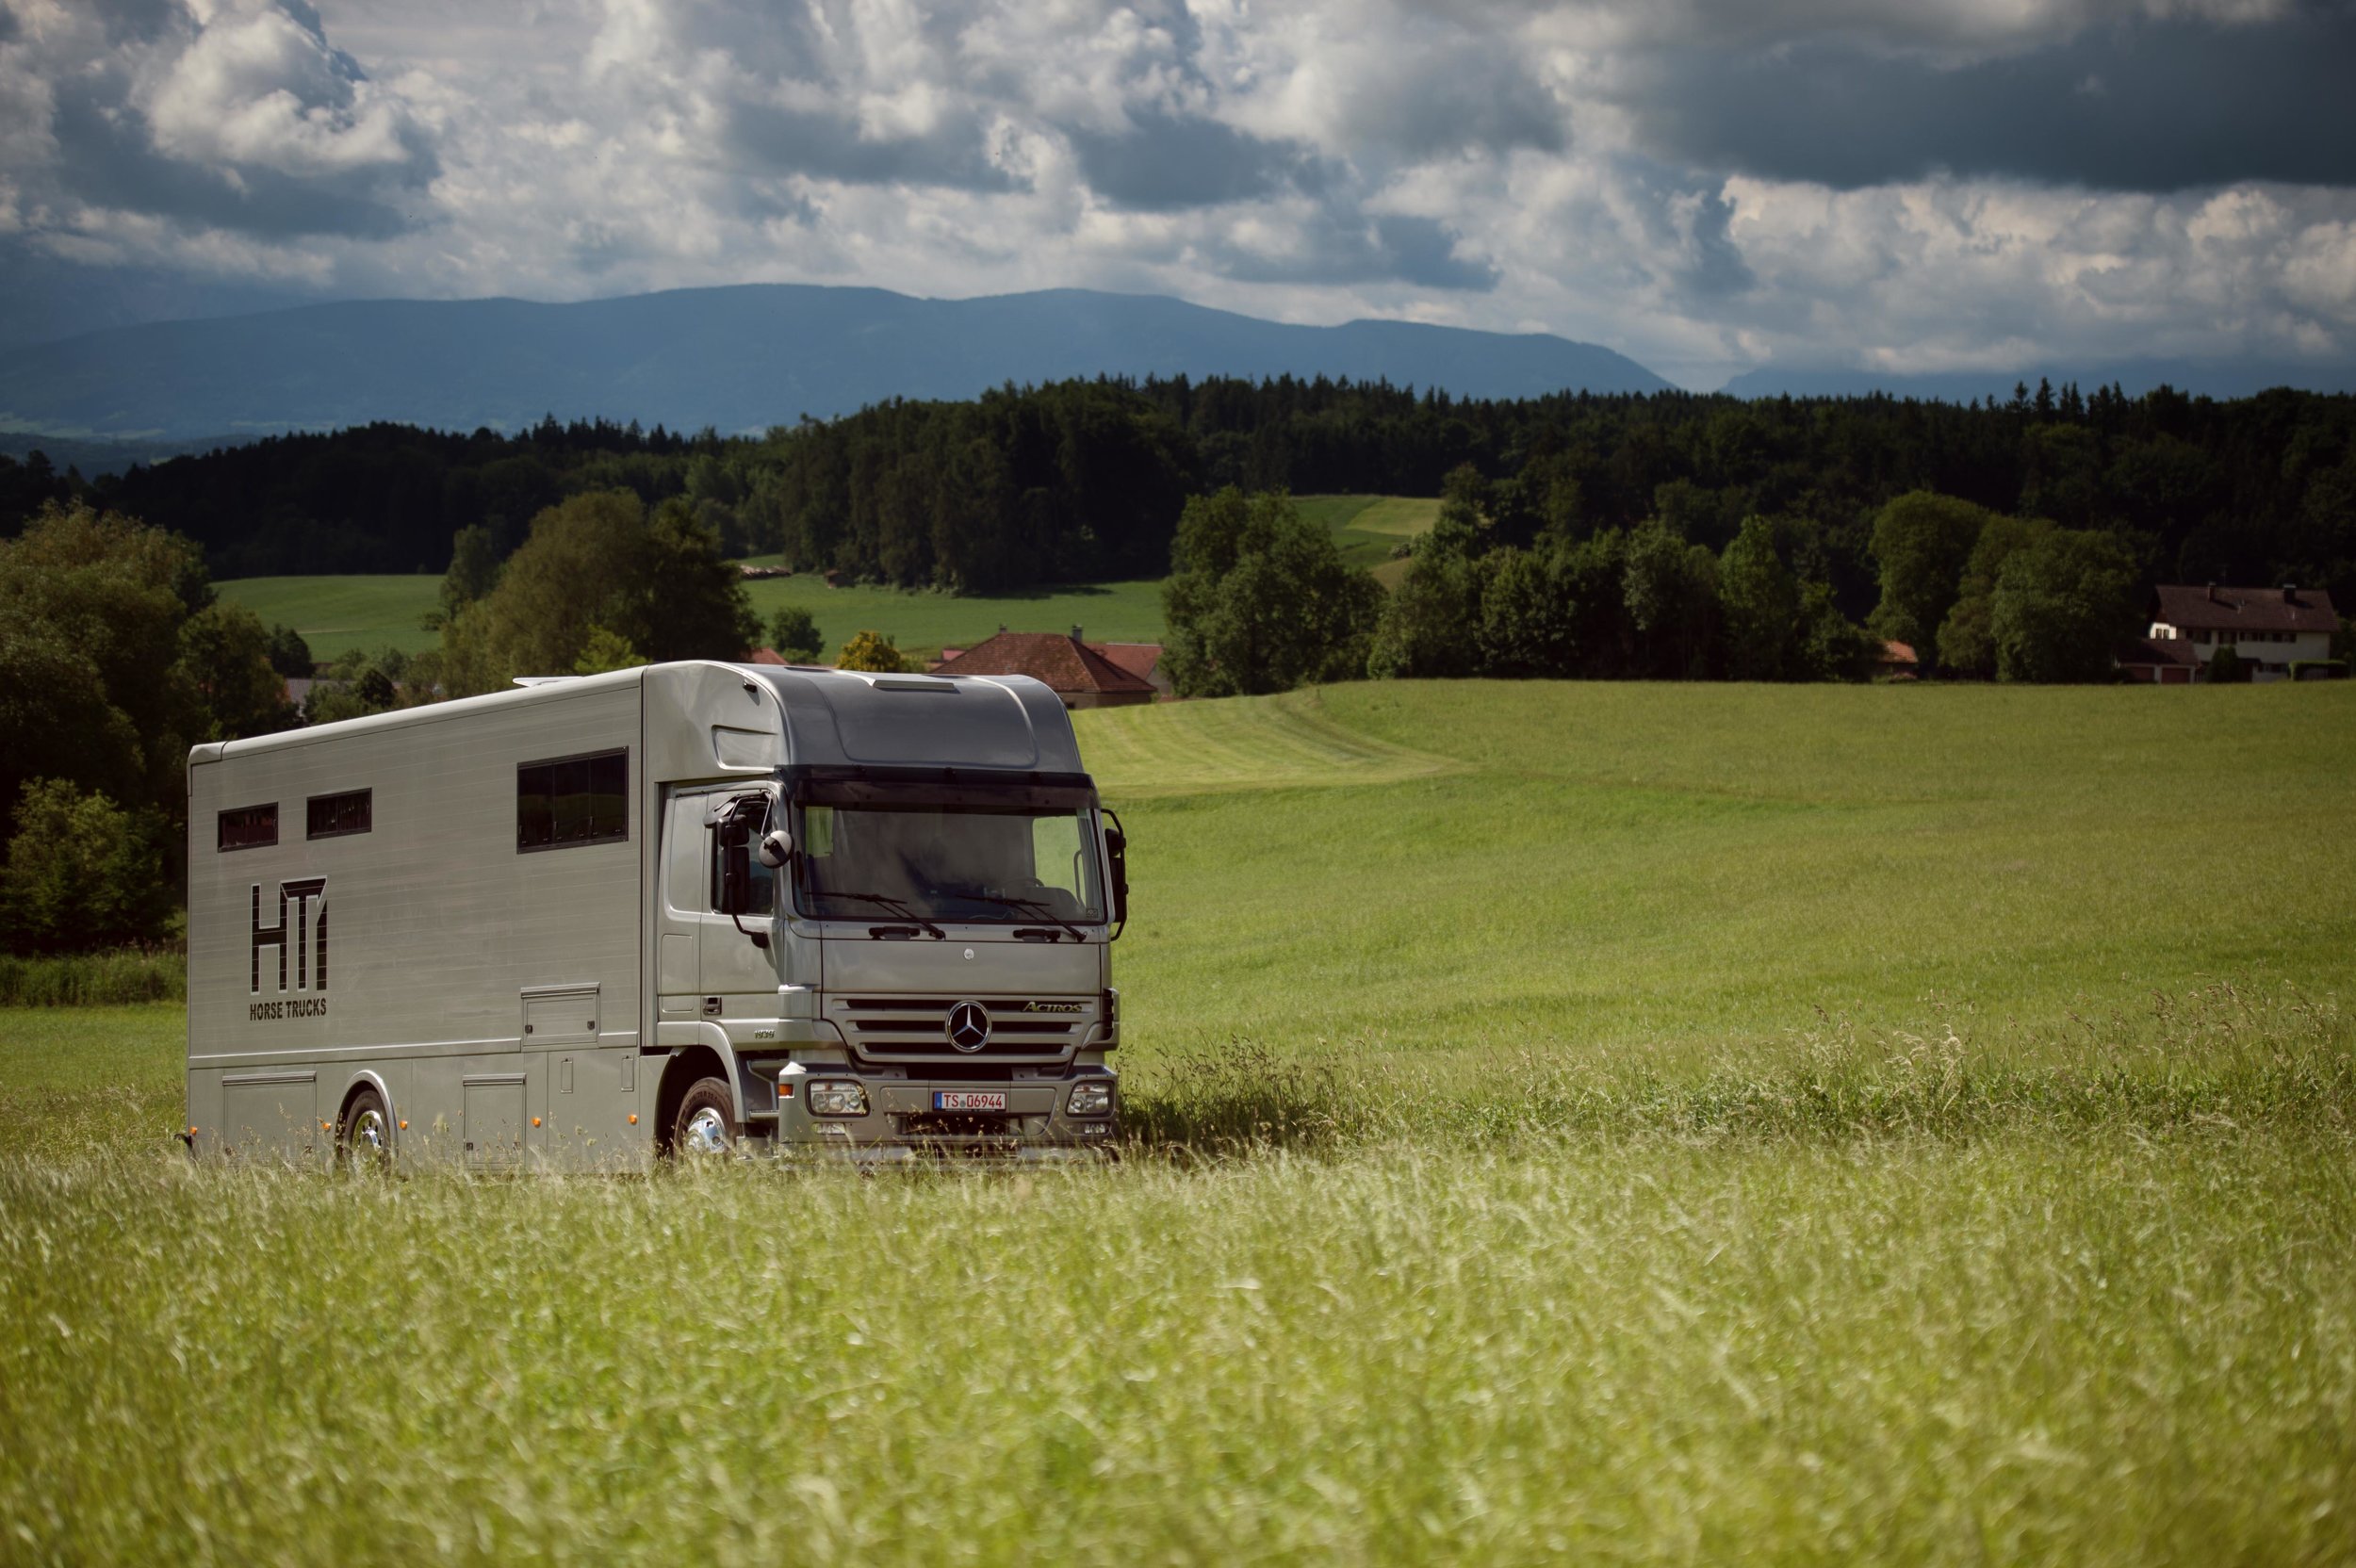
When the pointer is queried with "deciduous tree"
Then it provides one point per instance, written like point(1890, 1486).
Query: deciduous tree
point(1260, 600)
point(2062, 605)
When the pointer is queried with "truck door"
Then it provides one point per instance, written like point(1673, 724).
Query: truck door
point(738, 973)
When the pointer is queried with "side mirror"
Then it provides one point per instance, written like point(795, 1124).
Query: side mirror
point(1117, 860)
point(736, 871)
point(777, 848)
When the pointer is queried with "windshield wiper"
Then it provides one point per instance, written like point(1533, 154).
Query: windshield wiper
point(896, 907)
point(1045, 909)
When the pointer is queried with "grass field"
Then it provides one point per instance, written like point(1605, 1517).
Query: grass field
point(337, 615)
point(1646, 1125)
point(1371, 529)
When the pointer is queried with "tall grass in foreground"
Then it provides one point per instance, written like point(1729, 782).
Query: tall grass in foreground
point(2085, 1298)
point(2218, 1055)
point(94, 979)
point(2084, 1345)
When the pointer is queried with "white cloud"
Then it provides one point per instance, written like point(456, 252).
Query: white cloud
point(257, 88)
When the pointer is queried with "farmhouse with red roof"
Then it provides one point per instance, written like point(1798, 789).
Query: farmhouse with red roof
point(1082, 675)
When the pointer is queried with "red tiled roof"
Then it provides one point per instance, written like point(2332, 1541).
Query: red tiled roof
point(1065, 663)
point(2244, 609)
point(1898, 653)
point(765, 656)
point(1138, 658)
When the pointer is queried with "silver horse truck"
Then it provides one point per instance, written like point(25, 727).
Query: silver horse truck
point(691, 907)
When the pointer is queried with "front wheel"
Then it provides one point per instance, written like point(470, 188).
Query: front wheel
point(364, 1140)
point(706, 1123)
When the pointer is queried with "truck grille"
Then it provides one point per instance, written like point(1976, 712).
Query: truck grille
point(915, 1028)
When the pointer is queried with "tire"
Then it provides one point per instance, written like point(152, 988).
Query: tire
point(364, 1138)
point(706, 1123)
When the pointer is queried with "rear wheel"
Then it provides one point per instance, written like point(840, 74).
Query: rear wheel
point(706, 1123)
point(364, 1140)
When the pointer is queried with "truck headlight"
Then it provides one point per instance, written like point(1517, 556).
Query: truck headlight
point(1093, 1099)
point(836, 1097)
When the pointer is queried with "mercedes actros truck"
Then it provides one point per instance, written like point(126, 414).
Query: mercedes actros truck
point(685, 909)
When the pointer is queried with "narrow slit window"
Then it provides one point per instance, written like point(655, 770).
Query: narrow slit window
point(571, 801)
point(249, 826)
point(333, 816)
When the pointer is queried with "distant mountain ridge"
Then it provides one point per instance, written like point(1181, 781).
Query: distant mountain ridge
point(738, 358)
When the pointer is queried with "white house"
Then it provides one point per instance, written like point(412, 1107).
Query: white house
point(2271, 629)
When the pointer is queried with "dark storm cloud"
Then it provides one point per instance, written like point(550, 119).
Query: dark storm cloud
point(1341, 246)
point(104, 159)
point(1165, 163)
point(826, 145)
point(2152, 108)
point(1455, 95)
point(1716, 264)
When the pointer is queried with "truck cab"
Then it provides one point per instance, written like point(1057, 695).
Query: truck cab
point(896, 943)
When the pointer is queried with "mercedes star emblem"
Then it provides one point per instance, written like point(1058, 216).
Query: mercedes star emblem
point(969, 1026)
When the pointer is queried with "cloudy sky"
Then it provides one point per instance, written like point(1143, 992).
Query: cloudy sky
point(1706, 185)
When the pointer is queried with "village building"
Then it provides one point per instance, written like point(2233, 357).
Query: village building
point(1142, 660)
point(2271, 630)
point(1081, 673)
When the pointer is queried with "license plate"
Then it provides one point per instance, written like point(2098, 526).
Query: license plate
point(968, 1100)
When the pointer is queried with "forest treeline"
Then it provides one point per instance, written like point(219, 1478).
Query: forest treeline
point(1084, 480)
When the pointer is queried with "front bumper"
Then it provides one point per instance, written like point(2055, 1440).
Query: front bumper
point(904, 1121)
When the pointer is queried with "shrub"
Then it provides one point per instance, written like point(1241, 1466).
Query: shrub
point(874, 652)
point(793, 634)
point(83, 872)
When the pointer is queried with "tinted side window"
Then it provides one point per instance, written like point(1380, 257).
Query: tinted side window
point(333, 816)
point(571, 801)
point(763, 884)
point(249, 826)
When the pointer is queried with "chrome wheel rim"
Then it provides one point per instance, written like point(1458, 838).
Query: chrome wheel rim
point(371, 1138)
point(706, 1133)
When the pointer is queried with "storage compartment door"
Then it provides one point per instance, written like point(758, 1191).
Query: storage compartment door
point(493, 1120)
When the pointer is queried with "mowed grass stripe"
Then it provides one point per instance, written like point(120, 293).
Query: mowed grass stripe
point(1280, 742)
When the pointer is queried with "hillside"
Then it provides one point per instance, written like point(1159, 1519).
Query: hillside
point(739, 358)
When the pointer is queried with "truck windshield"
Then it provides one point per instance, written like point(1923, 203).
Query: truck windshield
point(1013, 865)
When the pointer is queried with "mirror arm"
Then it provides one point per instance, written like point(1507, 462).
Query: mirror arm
point(760, 939)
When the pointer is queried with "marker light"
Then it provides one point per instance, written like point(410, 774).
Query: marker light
point(405, 1126)
point(535, 1122)
point(1093, 1099)
point(633, 1118)
point(837, 1097)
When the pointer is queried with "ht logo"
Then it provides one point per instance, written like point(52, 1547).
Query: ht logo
point(309, 898)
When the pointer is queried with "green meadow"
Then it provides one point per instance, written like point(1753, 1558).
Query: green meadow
point(337, 615)
point(1567, 1123)
point(1372, 530)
